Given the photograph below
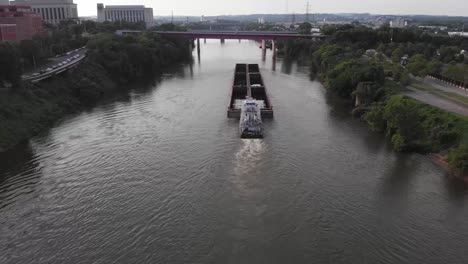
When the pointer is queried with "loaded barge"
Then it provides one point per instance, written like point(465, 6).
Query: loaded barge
point(248, 83)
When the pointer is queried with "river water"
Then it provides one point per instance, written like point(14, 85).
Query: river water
point(161, 176)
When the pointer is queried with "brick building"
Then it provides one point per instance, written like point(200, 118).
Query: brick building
point(7, 32)
point(27, 22)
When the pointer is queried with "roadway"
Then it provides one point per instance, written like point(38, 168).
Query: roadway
point(56, 65)
point(447, 98)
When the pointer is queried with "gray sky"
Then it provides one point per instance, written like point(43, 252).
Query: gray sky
point(234, 7)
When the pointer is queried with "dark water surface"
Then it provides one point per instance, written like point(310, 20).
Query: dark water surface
point(162, 177)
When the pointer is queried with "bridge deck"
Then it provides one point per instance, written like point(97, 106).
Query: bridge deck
point(251, 35)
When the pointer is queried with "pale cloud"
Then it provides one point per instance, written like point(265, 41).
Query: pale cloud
point(231, 7)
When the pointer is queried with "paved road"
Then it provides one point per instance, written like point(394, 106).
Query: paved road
point(436, 101)
point(444, 87)
point(67, 59)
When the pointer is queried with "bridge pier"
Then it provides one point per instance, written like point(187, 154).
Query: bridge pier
point(263, 50)
point(223, 41)
point(205, 41)
point(273, 51)
point(198, 47)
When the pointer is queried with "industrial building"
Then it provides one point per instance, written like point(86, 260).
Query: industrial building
point(52, 11)
point(19, 23)
point(130, 13)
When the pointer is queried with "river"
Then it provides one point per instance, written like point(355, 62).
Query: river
point(161, 176)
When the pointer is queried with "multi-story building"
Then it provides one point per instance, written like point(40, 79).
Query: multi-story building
point(130, 13)
point(399, 23)
point(27, 23)
point(7, 32)
point(52, 11)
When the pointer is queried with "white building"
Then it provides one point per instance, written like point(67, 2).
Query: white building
point(460, 34)
point(52, 11)
point(399, 23)
point(130, 13)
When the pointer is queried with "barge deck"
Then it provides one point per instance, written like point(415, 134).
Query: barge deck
point(248, 82)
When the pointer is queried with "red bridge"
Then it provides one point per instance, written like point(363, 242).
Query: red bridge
point(250, 35)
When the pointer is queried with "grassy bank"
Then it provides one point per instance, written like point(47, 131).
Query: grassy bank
point(111, 63)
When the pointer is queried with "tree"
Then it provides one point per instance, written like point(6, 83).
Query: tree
point(10, 65)
point(368, 92)
point(458, 158)
point(305, 28)
point(397, 54)
point(434, 67)
point(344, 78)
point(457, 72)
point(403, 124)
point(417, 65)
point(30, 51)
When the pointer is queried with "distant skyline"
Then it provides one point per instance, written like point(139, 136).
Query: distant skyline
point(243, 7)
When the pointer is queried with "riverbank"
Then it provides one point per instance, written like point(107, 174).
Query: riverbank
point(442, 160)
point(365, 78)
point(112, 63)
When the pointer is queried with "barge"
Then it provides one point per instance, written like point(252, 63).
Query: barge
point(248, 83)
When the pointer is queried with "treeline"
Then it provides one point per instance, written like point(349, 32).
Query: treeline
point(363, 65)
point(133, 57)
point(16, 58)
point(112, 62)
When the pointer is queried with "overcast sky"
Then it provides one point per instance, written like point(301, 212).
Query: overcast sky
point(234, 7)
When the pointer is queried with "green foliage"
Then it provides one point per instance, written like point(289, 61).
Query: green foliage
point(170, 27)
point(457, 72)
point(111, 60)
point(397, 54)
point(298, 49)
point(375, 117)
point(414, 126)
point(305, 28)
point(402, 123)
point(434, 67)
point(344, 78)
point(405, 80)
point(10, 66)
point(25, 113)
point(409, 124)
point(129, 58)
point(418, 65)
point(369, 92)
point(458, 158)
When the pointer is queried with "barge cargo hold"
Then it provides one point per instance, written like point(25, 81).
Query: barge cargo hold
point(248, 82)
